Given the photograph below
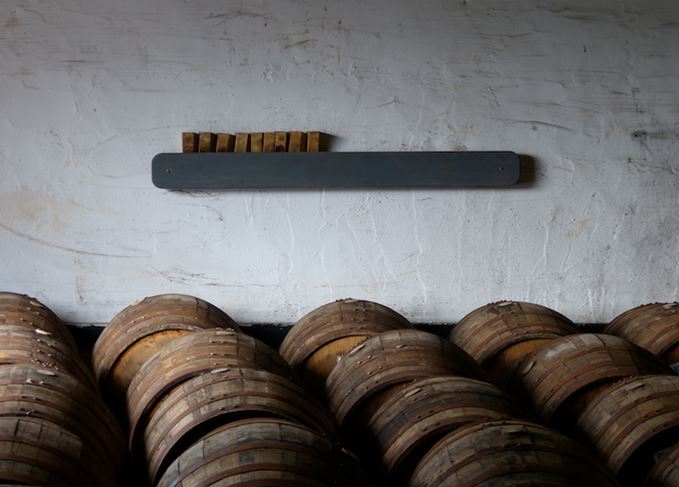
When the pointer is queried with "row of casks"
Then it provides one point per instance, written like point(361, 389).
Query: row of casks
point(420, 410)
point(54, 427)
point(608, 390)
point(396, 391)
point(207, 404)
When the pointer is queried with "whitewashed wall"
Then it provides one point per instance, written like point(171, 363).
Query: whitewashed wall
point(91, 90)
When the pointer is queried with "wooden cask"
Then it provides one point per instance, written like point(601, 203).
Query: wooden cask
point(500, 335)
point(654, 327)
point(564, 375)
point(406, 425)
point(191, 356)
point(62, 400)
point(665, 472)
point(509, 453)
point(20, 344)
point(631, 422)
point(140, 330)
point(322, 337)
point(205, 402)
point(22, 310)
point(366, 377)
point(254, 452)
point(38, 452)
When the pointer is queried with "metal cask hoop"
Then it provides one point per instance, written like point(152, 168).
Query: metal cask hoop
point(391, 358)
point(632, 421)
point(191, 356)
point(428, 409)
point(224, 396)
point(322, 337)
point(654, 327)
point(508, 453)
point(568, 366)
point(140, 330)
point(273, 452)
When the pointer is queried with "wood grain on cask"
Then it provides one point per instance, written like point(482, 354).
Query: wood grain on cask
point(509, 453)
point(220, 397)
point(22, 310)
point(191, 356)
point(426, 410)
point(254, 452)
point(315, 344)
point(392, 358)
point(631, 422)
point(19, 344)
point(140, 330)
point(654, 327)
point(500, 335)
point(555, 376)
point(63, 400)
point(665, 472)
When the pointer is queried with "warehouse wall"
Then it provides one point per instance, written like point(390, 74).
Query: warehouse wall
point(91, 90)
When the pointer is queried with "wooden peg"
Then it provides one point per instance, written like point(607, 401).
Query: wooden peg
point(242, 140)
point(207, 142)
point(269, 142)
point(225, 143)
point(256, 142)
point(189, 142)
point(297, 142)
point(281, 142)
point(313, 142)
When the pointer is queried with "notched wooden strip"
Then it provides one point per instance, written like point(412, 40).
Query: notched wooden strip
point(297, 142)
point(281, 142)
point(242, 142)
point(225, 143)
point(256, 142)
point(189, 142)
point(313, 141)
point(269, 142)
point(207, 141)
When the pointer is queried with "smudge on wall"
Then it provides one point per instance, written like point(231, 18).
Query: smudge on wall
point(91, 91)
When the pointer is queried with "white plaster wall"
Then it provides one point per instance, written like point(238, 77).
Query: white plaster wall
point(91, 90)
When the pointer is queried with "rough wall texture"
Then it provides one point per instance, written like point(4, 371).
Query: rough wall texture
point(91, 90)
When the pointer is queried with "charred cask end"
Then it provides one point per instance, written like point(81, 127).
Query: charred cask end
point(632, 422)
point(407, 425)
point(139, 331)
point(500, 335)
point(20, 344)
point(565, 375)
point(206, 402)
point(21, 310)
point(322, 337)
point(63, 401)
point(254, 452)
point(654, 327)
point(188, 357)
point(380, 367)
point(509, 453)
point(665, 472)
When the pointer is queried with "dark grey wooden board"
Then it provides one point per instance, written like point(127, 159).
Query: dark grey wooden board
point(342, 170)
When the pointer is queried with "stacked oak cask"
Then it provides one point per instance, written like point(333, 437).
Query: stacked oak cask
point(54, 427)
point(408, 402)
point(634, 423)
point(207, 403)
point(600, 388)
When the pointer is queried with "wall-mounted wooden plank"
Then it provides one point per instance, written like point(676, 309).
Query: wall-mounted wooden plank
point(335, 170)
